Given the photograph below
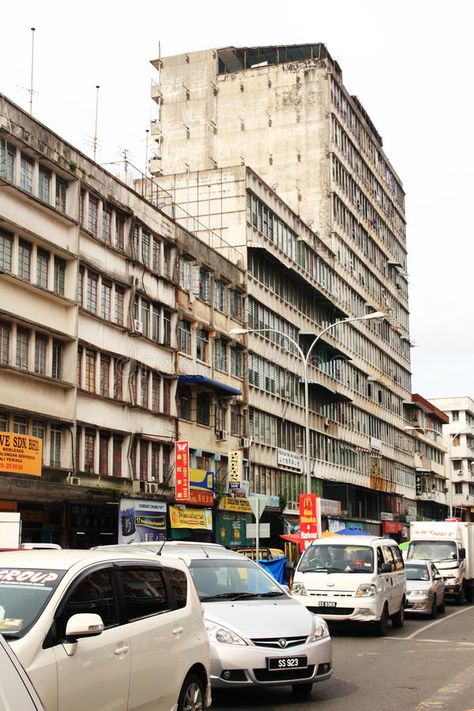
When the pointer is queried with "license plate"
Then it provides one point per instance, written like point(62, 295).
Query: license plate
point(326, 604)
point(287, 662)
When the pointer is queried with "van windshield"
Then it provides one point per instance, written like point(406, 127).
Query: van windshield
point(337, 558)
point(433, 550)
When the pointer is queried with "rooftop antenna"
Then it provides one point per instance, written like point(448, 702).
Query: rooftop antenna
point(32, 67)
point(125, 163)
point(146, 151)
point(94, 141)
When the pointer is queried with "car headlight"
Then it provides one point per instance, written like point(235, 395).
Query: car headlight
point(298, 589)
point(321, 630)
point(419, 593)
point(366, 590)
point(218, 633)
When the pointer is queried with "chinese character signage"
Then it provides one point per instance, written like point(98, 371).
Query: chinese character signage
point(20, 454)
point(201, 487)
point(235, 466)
point(310, 517)
point(182, 471)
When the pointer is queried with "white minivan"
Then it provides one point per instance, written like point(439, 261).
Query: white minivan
point(353, 578)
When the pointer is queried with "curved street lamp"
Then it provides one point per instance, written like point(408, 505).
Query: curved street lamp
point(305, 359)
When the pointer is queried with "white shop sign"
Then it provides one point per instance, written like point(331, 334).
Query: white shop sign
point(289, 459)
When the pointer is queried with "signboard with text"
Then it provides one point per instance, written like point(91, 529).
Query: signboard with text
point(20, 454)
point(182, 471)
point(310, 517)
point(141, 521)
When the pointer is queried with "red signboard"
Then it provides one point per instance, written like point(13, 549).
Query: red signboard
point(310, 518)
point(201, 498)
point(182, 471)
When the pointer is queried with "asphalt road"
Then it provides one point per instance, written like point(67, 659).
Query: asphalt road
point(426, 666)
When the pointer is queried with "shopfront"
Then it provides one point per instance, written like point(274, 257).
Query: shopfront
point(232, 517)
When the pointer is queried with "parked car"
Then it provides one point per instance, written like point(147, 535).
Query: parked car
point(425, 587)
point(353, 579)
point(99, 630)
point(16, 690)
point(260, 635)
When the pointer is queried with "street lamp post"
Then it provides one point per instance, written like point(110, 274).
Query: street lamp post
point(305, 360)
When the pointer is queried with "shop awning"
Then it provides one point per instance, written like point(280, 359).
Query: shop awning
point(208, 382)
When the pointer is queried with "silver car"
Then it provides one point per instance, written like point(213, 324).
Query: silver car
point(260, 635)
point(425, 587)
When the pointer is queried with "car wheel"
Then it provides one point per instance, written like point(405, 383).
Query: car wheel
point(191, 697)
point(381, 627)
point(434, 609)
point(442, 607)
point(398, 620)
point(302, 689)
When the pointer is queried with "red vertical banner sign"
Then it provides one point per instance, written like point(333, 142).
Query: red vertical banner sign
point(182, 471)
point(310, 518)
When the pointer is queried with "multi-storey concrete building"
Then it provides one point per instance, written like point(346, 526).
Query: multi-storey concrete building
point(95, 335)
point(322, 233)
point(459, 439)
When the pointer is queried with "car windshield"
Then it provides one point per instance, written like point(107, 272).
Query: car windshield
point(337, 558)
point(417, 572)
point(220, 579)
point(24, 593)
point(433, 550)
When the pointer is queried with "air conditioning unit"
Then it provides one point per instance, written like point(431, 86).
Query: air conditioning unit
point(221, 434)
point(137, 326)
point(151, 488)
point(73, 480)
point(244, 442)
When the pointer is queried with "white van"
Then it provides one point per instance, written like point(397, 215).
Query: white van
point(353, 578)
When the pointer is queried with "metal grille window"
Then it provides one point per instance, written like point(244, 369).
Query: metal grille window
point(155, 392)
point(26, 173)
point(144, 379)
point(38, 429)
point(117, 456)
point(61, 190)
point(104, 454)
point(145, 317)
point(119, 305)
point(107, 224)
point(166, 396)
point(185, 400)
point(237, 362)
point(118, 380)
point(59, 275)
point(55, 447)
point(105, 376)
point(57, 363)
point(20, 425)
point(42, 267)
point(93, 214)
point(236, 305)
point(89, 450)
point(80, 352)
point(3, 422)
point(91, 298)
point(155, 323)
point(90, 371)
point(202, 344)
point(44, 185)
point(220, 354)
point(236, 420)
point(24, 259)
point(22, 345)
point(184, 336)
point(155, 261)
point(143, 459)
point(106, 300)
point(166, 339)
point(4, 343)
point(80, 286)
point(119, 230)
point(186, 274)
point(220, 292)
point(7, 160)
point(155, 462)
point(6, 241)
point(145, 248)
point(167, 260)
point(203, 409)
point(41, 346)
point(204, 284)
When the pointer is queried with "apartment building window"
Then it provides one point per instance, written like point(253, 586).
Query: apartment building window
point(38, 429)
point(236, 421)
point(220, 354)
point(117, 456)
point(104, 454)
point(4, 343)
point(3, 422)
point(202, 344)
point(91, 296)
point(166, 340)
point(149, 314)
point(185, 400)
point(24, 259)
point(204, 284)
point(186, 274)
point(119, 230)
point(105, 376)
point(145, 310)
point(41, 346)
point(106, 300)
point(7, 160)
point(26, 174)
point(6, 242)
point(458, 487)
point(93, 215)
point(118, 380)
point(471, 489)
point(61, 190)
point(90, 371)
point(57, 362)
point(22, 346)
point(44, 184)
point(184, 336)
point(59, 275)
point(155, 461)
point(55, 446)
point(143, 464)
point(167, 260)
point(144, 380)
point(155, 257)
point(145, 248)
point(237, 362)
point(42, 266)
point(155, 392)
point(236, 304)
point(455, 416)
point(119, 305)
point(203, 413)
point(167, 396)
point(220, 291)
point(80, 353)
point(89, 450)
point(107, 224)
point(20, 425)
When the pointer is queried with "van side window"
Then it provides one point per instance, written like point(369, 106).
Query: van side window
point(94, 593)
point(179, 584)
point(379, 559)
point(399, 564)
point(144, 591)
point(388, 556)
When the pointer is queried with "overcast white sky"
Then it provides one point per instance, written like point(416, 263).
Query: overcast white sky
point(409, 62)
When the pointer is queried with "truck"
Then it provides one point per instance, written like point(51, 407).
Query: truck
point(450, 545)
point(10, 530)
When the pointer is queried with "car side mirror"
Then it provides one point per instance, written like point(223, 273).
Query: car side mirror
point(84, 625)
point(438, 577)
point(462, 554)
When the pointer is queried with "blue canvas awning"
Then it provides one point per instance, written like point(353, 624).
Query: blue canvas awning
point(209, 382)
